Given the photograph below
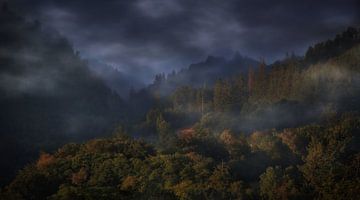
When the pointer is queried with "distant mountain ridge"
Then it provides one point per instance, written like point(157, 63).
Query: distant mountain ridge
point(207, 72)
point(203, 73)
point(114, 78)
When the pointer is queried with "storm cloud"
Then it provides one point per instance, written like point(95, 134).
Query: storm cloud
point(144, 37)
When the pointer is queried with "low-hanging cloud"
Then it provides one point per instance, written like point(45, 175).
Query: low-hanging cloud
point(143, 37)
point(334, 87)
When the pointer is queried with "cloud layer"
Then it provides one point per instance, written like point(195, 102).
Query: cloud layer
point(144, 37)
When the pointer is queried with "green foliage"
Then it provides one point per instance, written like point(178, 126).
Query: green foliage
point(331, 159)
point(277, 183)
point(331, 48)
point(226, 166)
point(229, 95)
point(190, 99)
point(199, 149)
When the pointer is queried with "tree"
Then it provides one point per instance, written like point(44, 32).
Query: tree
point(45, 160)
point(251, 79)
point(80, 177)
point(226, 96)
point(219, 182)
point(218, 96)
point(277, 183)
point(330, 161)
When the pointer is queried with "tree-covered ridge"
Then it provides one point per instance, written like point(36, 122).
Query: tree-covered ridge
point(314, 161)
point(221, 129)
point(202, 73)
point(285, 94)
point(290, 80)
point(214, 68)
point(330, 48)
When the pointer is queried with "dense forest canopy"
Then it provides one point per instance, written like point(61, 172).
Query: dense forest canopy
point(224, 128)
point(314, 161)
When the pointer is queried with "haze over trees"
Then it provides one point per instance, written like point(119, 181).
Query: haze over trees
point(220, 129)
point(48, 95)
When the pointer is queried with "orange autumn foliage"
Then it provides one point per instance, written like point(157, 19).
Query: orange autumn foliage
point(45, 160)
point(186, 134)
point(79, 177)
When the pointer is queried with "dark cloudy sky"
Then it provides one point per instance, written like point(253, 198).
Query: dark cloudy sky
point(143, 37)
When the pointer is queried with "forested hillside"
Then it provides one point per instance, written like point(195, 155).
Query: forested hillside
point(288, 130)
point(314, 161)
point(222, 128)
point(203, 73)
point(287, 93)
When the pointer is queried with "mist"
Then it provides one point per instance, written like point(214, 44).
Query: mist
point(179, 99)
point(143, 38)
point(49, 95)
